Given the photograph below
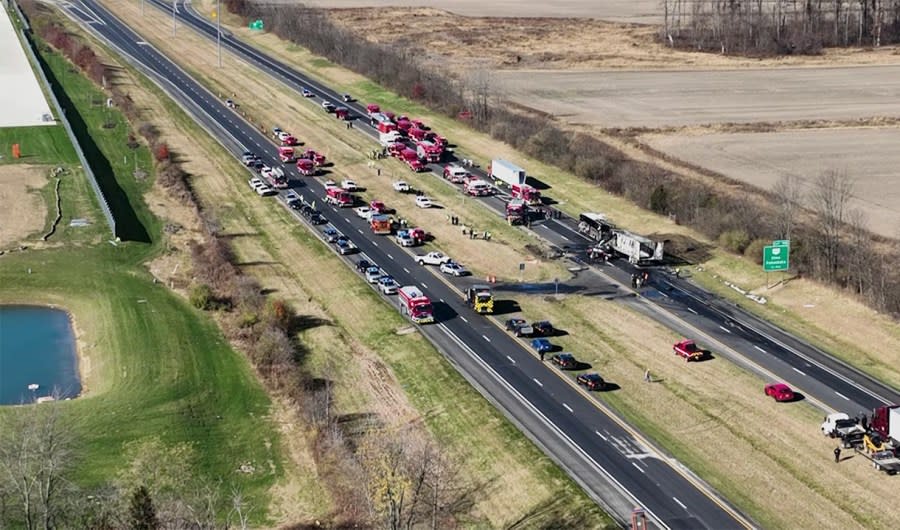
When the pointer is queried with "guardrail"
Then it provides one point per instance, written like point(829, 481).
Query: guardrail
point(104, 205)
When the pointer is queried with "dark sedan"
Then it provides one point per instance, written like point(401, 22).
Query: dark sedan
point(592, 381)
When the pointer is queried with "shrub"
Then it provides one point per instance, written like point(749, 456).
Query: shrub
point(735, 240)
point(659, 200)
point(201, 296)
point(754, 250)
point(161, 152)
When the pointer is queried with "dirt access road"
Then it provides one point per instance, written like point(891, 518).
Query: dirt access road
point(646, 11)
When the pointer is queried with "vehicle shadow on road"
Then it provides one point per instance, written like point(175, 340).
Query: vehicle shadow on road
point(505, 307)
point(797, 397)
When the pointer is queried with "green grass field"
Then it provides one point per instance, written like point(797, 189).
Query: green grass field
point(43, 144)
point(156, 368)
point(152, 365)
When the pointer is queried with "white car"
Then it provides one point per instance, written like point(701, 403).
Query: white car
point(291, 195)
point(453, 269)
point(364, 212)
point(328, 106)
point(284, 135)
point(255, 183)
point(265, 190)
point(388, 285)
point(349, 185)
point(401, 186)
point(423, 202)
point(373, 274)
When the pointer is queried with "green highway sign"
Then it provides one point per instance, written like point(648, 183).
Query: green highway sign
point(775, 258)
point(781, 243)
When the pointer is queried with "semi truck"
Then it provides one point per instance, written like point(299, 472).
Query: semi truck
point(516, 212)
point(414, 303)
point(886, 422)
point(506, 172)
point(526, 193)
point(638, 249)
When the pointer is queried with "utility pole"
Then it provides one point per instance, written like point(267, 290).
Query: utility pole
point(219, 30)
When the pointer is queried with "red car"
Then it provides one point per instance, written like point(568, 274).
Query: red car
point(779, 391)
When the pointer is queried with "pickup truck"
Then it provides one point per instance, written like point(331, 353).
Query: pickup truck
point(432, 258)
point(688, 350)
point(839, 425)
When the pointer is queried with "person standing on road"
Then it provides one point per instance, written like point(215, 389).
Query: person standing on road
point(542, 355)
point(837, 455)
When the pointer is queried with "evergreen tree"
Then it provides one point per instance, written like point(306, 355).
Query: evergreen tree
point(141, 513)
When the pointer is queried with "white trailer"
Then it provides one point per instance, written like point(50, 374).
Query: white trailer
point(507, 172)
point(636, 248)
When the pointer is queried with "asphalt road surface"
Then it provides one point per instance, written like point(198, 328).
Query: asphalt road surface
point(612, 463)
point(511, 376)
point(682, 98)
point(870, 156)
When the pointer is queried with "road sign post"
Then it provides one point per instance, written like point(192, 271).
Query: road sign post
point(776, 257)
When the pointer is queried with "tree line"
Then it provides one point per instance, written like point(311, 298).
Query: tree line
point(829, 243)
point(779, 27)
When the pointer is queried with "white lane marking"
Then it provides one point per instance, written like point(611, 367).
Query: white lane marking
point(464, 319)
point(723, 328)
point(345, 219)
point(691, 309)
point(664, 294)
point(359, 230)
point(392, 257)
point(679, 502)
point(601, 436)
point(842, 395)
point(567, 407)
point(424, 285)
point(374, 243)
point(638, 467)
point(798, 371)
point(538, 382)
point(511, 359)
point(407, 270)
point(442, 301)
point(760, 349)
point(485, 338)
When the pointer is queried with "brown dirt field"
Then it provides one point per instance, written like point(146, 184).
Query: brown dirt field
point(447, 40)
point(769, 457)
point(23, 211)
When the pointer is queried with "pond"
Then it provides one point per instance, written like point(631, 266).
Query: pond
point(37, 355)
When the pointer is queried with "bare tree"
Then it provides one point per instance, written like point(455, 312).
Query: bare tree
point(789, 196)
point(36, 454)
point(830, 197)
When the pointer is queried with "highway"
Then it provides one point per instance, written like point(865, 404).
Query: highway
point(760, 346)
point(613, 463)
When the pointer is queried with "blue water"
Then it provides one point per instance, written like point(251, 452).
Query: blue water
point(37, 346)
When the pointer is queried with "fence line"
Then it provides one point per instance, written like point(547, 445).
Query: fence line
point(104, 205)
